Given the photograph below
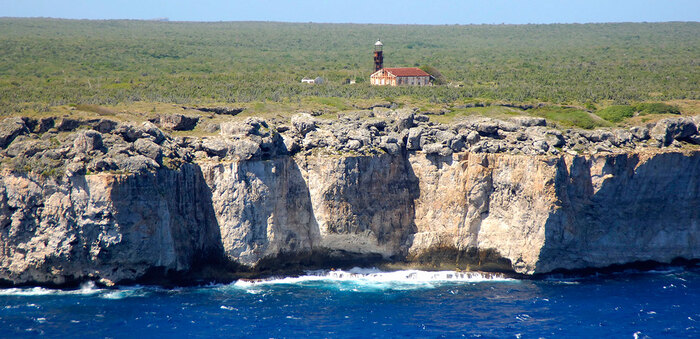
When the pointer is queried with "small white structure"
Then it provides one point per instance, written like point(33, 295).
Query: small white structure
point(317, 80)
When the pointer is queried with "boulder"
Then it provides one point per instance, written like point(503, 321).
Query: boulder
point(473, 137)
point(413, 139)
point(667, 130)
point(437, 148)
point(390, 139)
point(25, 147)
point(507, 126)
point(380, 111)
point(457, 145)
point(67, 124)
point(178, 122)
point(623, 137)
point(403, 118)
point(134, 163)
point(555, 138)
point(304, 123)
point(153, 130)
point(10, 128)
point(128, 132)
point(45, 124)
point(374, 124)
point(390, 147)
point(103, 125)
point(486, 127)
point(530, 121)
point(245, 149)
point(215, 147)
point(598, 135)
point(540, 145)
point(362, 135)
point(86, 141)
point(445, 137)
point(312, 140)
point(250, 126)
point(210, 127)
point(421, 118)
point(355, 115)
point(640, 133)
point(148, 149)
point(75, 168)
point(102, 164)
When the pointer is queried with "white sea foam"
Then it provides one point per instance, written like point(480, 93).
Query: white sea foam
point(123, 293)
point(32, 291)
point(358, 279)
point(86, 289)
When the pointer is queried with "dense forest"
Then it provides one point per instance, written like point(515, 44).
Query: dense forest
point(46, 62)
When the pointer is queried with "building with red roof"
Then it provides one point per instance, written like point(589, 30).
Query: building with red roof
point(400, 76)
point(412, 76)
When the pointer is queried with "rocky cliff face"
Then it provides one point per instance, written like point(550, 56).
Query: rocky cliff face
point(104, 226)
point(131, 200)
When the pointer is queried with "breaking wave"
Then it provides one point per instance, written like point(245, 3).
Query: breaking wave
point(368, 279)
point(86, 289)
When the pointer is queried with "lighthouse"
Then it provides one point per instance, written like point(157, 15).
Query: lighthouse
point(411, 76)
point(378, 56)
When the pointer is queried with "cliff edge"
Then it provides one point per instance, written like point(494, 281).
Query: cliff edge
point(116, 202)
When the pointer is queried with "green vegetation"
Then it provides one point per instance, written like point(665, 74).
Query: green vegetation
point(48, 63)
point(655, 108)
point(498, 112)
point(569, 117)
point(438, 78)
point(336, 103)
point(617, 113)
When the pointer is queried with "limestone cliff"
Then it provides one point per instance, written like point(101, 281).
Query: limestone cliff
point(103, 226)
point(260, 201)
point(542, 213)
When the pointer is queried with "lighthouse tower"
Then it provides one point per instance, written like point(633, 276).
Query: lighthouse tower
point(378, 56)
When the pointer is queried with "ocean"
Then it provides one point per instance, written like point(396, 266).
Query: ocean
point(363, 303)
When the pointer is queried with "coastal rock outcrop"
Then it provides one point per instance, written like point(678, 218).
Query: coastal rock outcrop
point(118, 202)
point(104, 226)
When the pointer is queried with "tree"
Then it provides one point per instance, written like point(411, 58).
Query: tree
point(438, 78)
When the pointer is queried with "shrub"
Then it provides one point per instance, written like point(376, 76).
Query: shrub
point(616, 113)
point(656, 108)
point(438, 78)
point(568, 117)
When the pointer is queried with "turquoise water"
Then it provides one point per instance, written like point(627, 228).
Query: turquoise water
point(363, 303)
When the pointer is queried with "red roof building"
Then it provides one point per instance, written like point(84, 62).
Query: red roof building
point(400, 76)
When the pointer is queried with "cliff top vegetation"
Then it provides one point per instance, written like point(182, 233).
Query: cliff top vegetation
point(143, 67)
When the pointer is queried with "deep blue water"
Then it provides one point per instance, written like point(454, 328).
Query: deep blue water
point(657, 304)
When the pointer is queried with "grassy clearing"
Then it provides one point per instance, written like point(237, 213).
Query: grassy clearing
point(498, 112)
point(619, 113)
point(570, 117)
point(616, 113)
